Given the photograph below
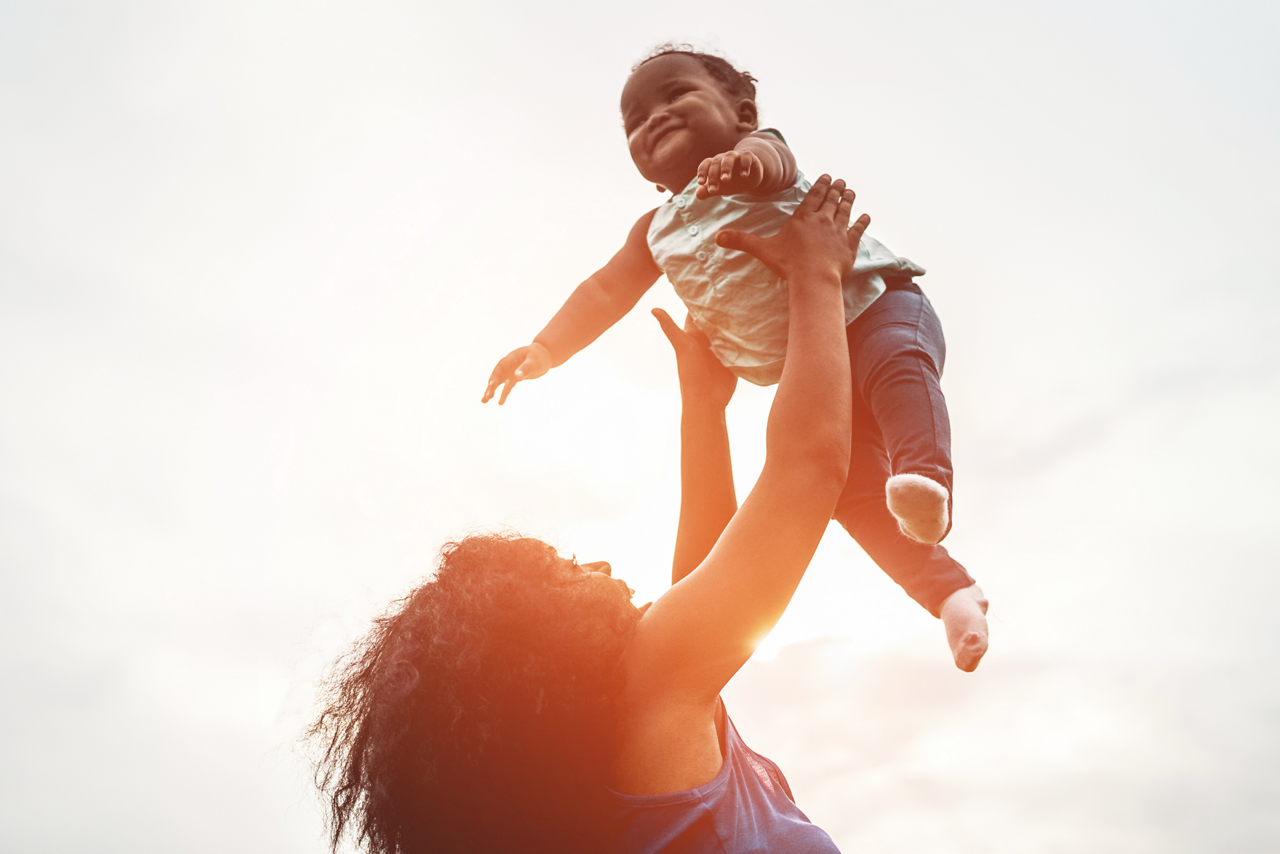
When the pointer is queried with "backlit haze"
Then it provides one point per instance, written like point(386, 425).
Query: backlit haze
point(258, 259)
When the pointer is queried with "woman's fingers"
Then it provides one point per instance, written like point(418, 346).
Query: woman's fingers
point(826, 197)
point(674, 333)
point(831, 199)
point(817, 194)
point(695, 334)
point(822, 217)
point(845, 207)
point(857, 229)
point(740, 240)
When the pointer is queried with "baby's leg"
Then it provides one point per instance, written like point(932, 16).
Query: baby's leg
point(898, 352)
point(927, 572)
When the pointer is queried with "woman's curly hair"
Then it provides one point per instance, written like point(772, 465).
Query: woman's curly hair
point(738, 84)
point(476, 714)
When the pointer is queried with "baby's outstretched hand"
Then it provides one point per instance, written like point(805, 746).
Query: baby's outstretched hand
point(729, 173)
point(522, 363)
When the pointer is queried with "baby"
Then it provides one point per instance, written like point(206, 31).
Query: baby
point(692, 129)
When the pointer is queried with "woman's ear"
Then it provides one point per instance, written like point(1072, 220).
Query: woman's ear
point(748, 116)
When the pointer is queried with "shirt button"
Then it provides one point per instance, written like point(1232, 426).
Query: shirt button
point(693, 229)
point(702, 256)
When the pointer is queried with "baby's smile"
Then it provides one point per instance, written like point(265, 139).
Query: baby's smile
point(676, 115)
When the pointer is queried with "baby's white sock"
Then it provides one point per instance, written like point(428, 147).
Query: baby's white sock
point(920, 506)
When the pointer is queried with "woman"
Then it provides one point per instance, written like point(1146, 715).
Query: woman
point(518, 701)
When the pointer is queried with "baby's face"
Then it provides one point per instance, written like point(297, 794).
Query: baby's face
point(676, 115)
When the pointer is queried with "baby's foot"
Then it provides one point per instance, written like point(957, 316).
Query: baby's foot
point(964, 613)
point(920, 506)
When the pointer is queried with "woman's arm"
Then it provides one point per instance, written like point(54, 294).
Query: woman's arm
point(593, 307)
point(707, 499)
point(697, 635)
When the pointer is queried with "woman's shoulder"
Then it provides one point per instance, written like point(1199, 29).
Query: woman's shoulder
point(664, 745)
point(746, 806)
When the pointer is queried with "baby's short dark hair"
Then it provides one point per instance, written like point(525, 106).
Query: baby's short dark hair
point(738, 84)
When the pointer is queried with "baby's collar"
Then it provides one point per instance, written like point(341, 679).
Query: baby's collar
point(689, 189)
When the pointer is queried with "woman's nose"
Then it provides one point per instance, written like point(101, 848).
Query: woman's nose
point(599, 566)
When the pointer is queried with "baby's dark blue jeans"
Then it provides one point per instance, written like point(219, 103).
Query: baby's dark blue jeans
point(900, 426)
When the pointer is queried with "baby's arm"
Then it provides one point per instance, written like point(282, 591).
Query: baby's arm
point(593, 307)
point(761, 164)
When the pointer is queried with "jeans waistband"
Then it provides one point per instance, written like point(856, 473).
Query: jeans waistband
point(902, 284)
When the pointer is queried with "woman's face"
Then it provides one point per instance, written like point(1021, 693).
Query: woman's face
point(600, 574)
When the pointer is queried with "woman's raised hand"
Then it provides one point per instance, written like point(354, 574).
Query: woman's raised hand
point(703, 379)
point(817, 238)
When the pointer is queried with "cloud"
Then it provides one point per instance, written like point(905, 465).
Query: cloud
point(895, 751)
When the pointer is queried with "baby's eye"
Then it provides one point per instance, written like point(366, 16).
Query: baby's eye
point(634, 124)
point(676, 93)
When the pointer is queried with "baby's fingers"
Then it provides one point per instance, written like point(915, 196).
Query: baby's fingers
point(728, 165)
point(715, 173)
point(704, 169)
point(527, 370)
point(506, 389)
point(508, 372)
point(506, 381)
point(501, 373)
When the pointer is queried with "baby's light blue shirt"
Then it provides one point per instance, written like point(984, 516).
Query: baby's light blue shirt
point(735, 299)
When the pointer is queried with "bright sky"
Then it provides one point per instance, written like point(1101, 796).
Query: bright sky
point(257, 260)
